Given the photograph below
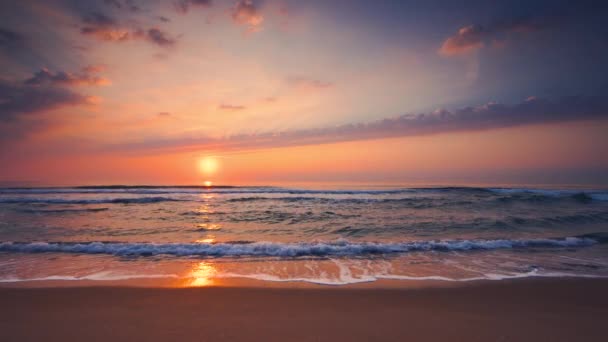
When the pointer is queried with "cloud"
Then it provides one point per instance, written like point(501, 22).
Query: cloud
point(160, 38)
point(308, 83)
point(164, 114)
point(231, 107)
point(94, 68)
point(183, 6)
point(126, 4)
point(17, 99)
point(485, 117)
point(23, 103)
point(468, 38)
point(473, 37)
point(17, 47)
point(22, 106)
point(85, 77)
point(105, 28)
point(9, 38)
point(246, 13)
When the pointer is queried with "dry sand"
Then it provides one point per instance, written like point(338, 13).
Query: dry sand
point(519, 310)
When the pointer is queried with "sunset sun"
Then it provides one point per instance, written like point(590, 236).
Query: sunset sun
point(208, 165)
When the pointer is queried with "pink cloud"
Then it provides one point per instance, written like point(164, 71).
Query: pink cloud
point(471, 38)
point(246, 13)
point(467, 39)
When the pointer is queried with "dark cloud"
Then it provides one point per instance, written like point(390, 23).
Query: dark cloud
point(103, 27)
point(45, 90)
point(97, 19)
point(106, 28)
point(17, 48)
point(160, 38)
point(163, 19)
point(9, 38)
point(247, 13)
point(129, 5)
point(85, 77)
point(183, 6)
point(485, 117)
point(23, 103)
point(231, 107)
point(17, 99)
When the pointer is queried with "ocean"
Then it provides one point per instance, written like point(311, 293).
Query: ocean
point(199, 236)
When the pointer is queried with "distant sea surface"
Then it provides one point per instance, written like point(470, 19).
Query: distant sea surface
point(201, 235)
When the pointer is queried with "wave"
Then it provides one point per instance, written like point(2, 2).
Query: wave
point(536, 194)
point(276, 249)
point(328, 200)
point(61, 211)
point(128, 200)
point(200, 190)
point(515, 193)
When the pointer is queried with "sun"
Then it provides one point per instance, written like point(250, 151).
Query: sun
point(208, 183)
point(208, 165)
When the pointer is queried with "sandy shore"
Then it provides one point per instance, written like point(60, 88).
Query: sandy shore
point(522, 310)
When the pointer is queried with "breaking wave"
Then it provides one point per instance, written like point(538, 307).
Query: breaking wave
point(275, 249)
point(129, 200)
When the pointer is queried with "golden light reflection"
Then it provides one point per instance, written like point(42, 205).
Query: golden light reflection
point(205, 240)
point(202, 274)
point(208, 197)
point(209, 226)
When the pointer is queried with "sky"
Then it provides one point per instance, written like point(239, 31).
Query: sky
point(286, 91)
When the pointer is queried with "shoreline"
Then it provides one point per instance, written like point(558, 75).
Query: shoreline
point(169, 282)
point(531, 309)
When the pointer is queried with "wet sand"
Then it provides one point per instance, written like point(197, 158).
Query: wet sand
point(514, 310)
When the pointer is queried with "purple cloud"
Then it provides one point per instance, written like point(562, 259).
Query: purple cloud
point(489, 116)
point(105, 28)
point(183, 6)
point(85, 77)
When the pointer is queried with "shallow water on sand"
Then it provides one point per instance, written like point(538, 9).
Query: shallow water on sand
point(340, 236)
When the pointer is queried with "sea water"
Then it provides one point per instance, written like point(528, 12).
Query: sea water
point(198, 235)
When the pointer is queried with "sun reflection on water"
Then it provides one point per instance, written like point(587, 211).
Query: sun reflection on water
point(202, 274)
point(209, 226)
point(207, 197)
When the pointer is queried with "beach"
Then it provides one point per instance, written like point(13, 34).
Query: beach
point(533, 309)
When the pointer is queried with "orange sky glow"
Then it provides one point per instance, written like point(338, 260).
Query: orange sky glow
point(279, 91)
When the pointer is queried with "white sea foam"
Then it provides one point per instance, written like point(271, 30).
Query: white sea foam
point(99, 276)
point(347, 279)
